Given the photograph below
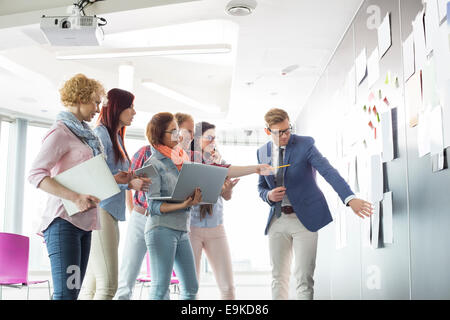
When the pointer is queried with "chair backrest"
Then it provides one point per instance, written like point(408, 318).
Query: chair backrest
point(147, 258)
point(14, 251)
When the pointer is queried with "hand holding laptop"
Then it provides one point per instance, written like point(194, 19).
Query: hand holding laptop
point(84, 202)
point(193, 199)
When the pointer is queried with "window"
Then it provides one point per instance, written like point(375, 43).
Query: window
point(34, 204)
point(245, 215)
point(4, 137)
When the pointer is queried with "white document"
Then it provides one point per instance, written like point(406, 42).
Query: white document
point(436, 132)
point(419, 41)
point(353, 180)
point(429, 86)
point(337, 226)
point(149, 171)
point(388, 235)
point(441, 56)
point(446, 113)
point(91, 177)
point(361, 66)
point(375, 226)
point(351, 85)
point(408, 57)
point(431, 24)
point(373, 68)
point(384, 35)
point(387, 136)
point(362, 174)
point(376, 179)
point(343, 226)
point(423, 133)
point(366, 228)
point(442, 8)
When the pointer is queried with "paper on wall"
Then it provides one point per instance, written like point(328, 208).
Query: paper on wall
point(373, 67)
point(408, 57)
point(429, 84)
point(351, 85)
point(375, 226)
point(423, 133)
point(419, 41)
point(361, 66)
point(387, 221)
point(442, 8)
point(343, 226)
point(384, 35)
point(387, 136)
point(413, 98)
point(436, 136)
point(446, 113)
point(431, 24)
point(375, 179)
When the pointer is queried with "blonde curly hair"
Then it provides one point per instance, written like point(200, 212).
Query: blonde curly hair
point(80, 89)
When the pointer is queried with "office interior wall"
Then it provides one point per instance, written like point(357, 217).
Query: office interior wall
point(416, 264)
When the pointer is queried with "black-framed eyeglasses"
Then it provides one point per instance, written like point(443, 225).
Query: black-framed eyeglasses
point(174, 132)
point(279, 133)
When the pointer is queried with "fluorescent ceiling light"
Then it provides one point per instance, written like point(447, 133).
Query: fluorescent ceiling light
point(143, 51)
point(172, 94)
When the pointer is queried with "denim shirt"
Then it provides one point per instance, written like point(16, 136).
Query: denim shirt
point(115, 205)
point(209, 221)
point(163, 186)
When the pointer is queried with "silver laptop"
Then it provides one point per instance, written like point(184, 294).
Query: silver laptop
point(208, 178)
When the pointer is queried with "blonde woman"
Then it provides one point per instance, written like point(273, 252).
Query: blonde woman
point(69, 142)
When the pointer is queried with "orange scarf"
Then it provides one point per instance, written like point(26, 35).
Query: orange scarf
point(177, 154)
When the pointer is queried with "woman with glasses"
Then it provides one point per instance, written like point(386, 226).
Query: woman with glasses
point(207, 229)
point(102, 272)
point(167, 227)
point(69, 142)
point(135, 248)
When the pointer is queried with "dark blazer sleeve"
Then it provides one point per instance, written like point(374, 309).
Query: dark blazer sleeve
point(263, 187)
point(326, 170)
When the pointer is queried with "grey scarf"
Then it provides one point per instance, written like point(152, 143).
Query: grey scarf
point(81, 130)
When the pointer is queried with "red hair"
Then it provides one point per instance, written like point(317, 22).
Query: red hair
point(118, 101)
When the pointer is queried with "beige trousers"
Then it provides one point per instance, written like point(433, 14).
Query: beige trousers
point(287, 234)
point(214, 242)
point(100, 282)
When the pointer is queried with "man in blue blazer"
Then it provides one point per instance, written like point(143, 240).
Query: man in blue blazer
point(298, 208)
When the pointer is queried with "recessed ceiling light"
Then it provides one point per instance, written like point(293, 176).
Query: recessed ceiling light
point(240, 7)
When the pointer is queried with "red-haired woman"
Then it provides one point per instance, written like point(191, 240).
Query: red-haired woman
point(102, 271)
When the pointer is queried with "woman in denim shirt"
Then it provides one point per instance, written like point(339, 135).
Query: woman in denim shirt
point(167, 227)
point(102, 271)
point(166, 230)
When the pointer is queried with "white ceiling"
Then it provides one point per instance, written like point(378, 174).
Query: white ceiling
point(244, 83)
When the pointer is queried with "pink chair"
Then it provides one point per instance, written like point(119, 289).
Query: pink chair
point(14, 253)
point(174, 282)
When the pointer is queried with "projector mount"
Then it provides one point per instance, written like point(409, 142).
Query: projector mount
point(78, 9)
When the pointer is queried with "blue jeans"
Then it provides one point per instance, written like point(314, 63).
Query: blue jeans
point(68, 249)
point(133, 254)
point(169, 248)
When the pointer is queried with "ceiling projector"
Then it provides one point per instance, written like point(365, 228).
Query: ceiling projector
point(75, 30)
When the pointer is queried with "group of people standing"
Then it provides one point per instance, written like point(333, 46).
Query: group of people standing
point(173, 234)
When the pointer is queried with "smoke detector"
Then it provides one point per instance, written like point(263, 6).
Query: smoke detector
point(241, 7)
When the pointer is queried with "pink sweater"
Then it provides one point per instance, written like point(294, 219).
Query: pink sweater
point(61, 150)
